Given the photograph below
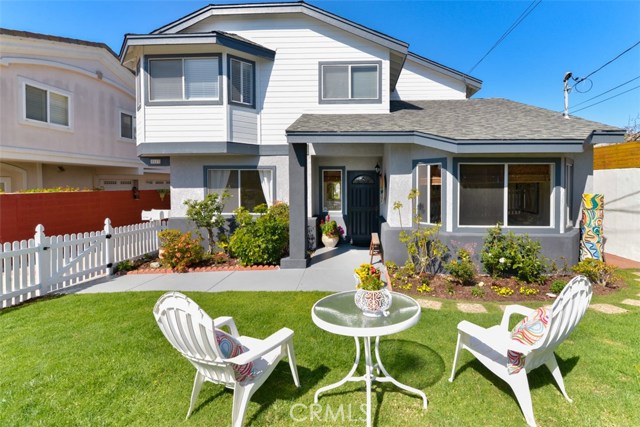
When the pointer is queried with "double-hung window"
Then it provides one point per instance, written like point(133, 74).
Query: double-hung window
point(429, 203)
point(246, 187)
point(356, 82)
point(241, 81)
point(190, 79)
point(516, 195)
point(46, 105)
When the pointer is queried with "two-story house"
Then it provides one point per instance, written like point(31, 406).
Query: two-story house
point(286, 101)
point(67, 118)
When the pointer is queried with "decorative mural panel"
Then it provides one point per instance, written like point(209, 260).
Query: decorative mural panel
point(591, 230)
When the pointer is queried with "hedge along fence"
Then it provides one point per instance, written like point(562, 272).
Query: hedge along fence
point(72, 212)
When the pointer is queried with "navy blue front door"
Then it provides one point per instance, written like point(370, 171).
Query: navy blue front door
point(363, 206)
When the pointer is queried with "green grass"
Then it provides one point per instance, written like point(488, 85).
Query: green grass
point(100, 360)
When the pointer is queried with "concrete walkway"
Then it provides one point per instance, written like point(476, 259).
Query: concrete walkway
point(331, 270)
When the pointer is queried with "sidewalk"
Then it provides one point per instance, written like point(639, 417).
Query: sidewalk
point(618, 261)
point(331, 270)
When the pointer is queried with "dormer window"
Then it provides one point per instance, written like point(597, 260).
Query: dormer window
point(189, 79)
point(350, 82)
point(241, 82)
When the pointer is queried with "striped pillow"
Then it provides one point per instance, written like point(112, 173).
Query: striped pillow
point(231, 347)
point(527, 332)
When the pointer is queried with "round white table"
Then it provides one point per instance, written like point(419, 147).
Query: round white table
point(339, 315)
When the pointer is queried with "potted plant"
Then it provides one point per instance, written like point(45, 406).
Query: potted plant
point(331, 232)
point(372, 295)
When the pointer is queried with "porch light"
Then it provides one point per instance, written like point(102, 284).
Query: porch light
point(377, 168)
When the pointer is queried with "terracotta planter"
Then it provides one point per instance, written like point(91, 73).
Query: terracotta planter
point(330, 242)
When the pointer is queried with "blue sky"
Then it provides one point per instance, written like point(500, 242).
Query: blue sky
point(528, 66)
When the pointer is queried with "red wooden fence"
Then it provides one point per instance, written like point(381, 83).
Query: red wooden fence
point(73, 212)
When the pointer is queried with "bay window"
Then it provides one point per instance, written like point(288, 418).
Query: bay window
point(190, 79)
point(246, 187)
point(517, 195)
point(241, 81)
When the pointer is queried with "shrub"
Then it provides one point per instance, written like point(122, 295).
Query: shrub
point(596, 271)
point(503, 291)
point(263, 240)
point(124, 266)
point(391, 266)
point(557, 286)
point(207, 214)
point(462, 267)
point(424, 288)
point(179, 250)
point(477, 292)
point(506, 255)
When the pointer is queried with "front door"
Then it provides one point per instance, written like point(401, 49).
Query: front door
point(363, 206)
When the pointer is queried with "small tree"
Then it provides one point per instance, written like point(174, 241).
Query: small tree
point(207, 214)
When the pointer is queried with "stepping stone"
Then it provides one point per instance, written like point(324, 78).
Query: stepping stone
point(471, 308)
point(433, 305)
point(607, 308)
point(633, 302)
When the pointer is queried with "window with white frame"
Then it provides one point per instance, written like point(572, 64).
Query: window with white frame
point(47, 105)
point(138, 87)
point(127, 125)
point(350, 82)
point(568, 171)
point(516, 195)
point(246, 187)
point(188, 79)
point(429, 203)
point(241, 81)
point(331, 190)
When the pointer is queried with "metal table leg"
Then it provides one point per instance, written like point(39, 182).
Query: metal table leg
point(347, 378)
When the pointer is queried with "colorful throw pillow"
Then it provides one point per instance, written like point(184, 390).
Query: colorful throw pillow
point(527, 332)
point(231, 347)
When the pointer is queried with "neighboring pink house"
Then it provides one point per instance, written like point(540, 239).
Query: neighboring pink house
point(68, 117)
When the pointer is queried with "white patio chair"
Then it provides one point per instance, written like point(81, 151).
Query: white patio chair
point(490, 346)
point(191, 331)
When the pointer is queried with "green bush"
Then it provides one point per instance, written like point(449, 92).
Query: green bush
point(557, 286)
point(505, 255)
point(477, 292)
point(596, 271)
point(263, 240)
point(179, 250)
point(462, 267)
point(207, 214)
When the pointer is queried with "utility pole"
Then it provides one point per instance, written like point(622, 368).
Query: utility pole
point(567, 89)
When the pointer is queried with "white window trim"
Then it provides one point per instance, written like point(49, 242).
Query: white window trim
point(428, 210)
point(341, 192)
point(568, 192)
point(119, 113)
point(23, 82)
point(505, 210)
point(350, 66)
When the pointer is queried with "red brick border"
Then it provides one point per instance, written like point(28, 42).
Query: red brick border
point(204, 269)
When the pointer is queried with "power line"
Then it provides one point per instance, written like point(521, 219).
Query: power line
point(593, 72)
point(513, 26)
point(606, 99)
point(605, 92)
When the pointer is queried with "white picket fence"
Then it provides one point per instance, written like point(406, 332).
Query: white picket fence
point(44, 264)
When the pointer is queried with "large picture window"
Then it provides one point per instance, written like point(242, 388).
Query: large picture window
point(190, 79)
point(331, 190)
point(429, 207)
point(46, 105)
point(246, 187)
point(242, 81)
point(350, 82)
point(516, 195)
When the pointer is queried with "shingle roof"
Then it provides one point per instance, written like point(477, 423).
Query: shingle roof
point(27, 34)
point(465, 119)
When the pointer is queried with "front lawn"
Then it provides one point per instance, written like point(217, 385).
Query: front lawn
point(93, 360)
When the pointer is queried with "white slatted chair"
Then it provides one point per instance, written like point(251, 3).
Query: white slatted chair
point(490, 345)
point(191, 331)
